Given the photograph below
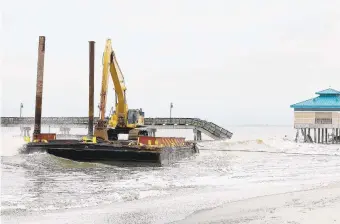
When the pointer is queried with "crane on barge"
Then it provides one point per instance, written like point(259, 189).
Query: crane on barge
point(122, 120)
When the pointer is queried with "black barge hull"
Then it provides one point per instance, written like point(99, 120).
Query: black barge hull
point(108, 153)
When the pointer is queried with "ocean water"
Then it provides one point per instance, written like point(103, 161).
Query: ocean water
point(257, 161)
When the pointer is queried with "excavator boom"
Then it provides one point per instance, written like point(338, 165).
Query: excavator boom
point(103, 93)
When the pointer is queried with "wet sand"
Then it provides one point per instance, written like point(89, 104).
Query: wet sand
point(315, 206)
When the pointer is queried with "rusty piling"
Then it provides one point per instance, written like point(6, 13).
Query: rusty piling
point(91, 87)
point(39, 87)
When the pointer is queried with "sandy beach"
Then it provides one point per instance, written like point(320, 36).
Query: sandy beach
point(314, 206)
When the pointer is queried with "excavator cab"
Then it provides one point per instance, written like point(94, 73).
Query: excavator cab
point(132, 125)
point(141, 117)
point(135, 118)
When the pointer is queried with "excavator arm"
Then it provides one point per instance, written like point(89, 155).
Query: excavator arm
point(120, 115)
point(103, 92)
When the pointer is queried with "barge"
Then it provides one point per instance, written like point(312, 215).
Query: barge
point(118, 152)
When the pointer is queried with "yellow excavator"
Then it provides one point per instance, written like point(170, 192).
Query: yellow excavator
point(122, 120)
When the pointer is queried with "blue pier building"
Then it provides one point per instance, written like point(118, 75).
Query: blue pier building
point(320, 115)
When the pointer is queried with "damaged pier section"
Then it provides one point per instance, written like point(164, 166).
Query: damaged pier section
point(318, 119)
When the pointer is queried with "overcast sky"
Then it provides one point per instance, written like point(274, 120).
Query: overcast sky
point(231, 62)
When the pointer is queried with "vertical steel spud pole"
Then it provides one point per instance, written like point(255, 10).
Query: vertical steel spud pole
point(91, 87)
point(39, 87)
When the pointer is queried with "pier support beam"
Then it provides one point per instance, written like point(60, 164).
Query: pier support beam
point(197, 135)
point(152, 132)
point(297, 135)
point(39, 87)
point(65, 130)
point(26, 131)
